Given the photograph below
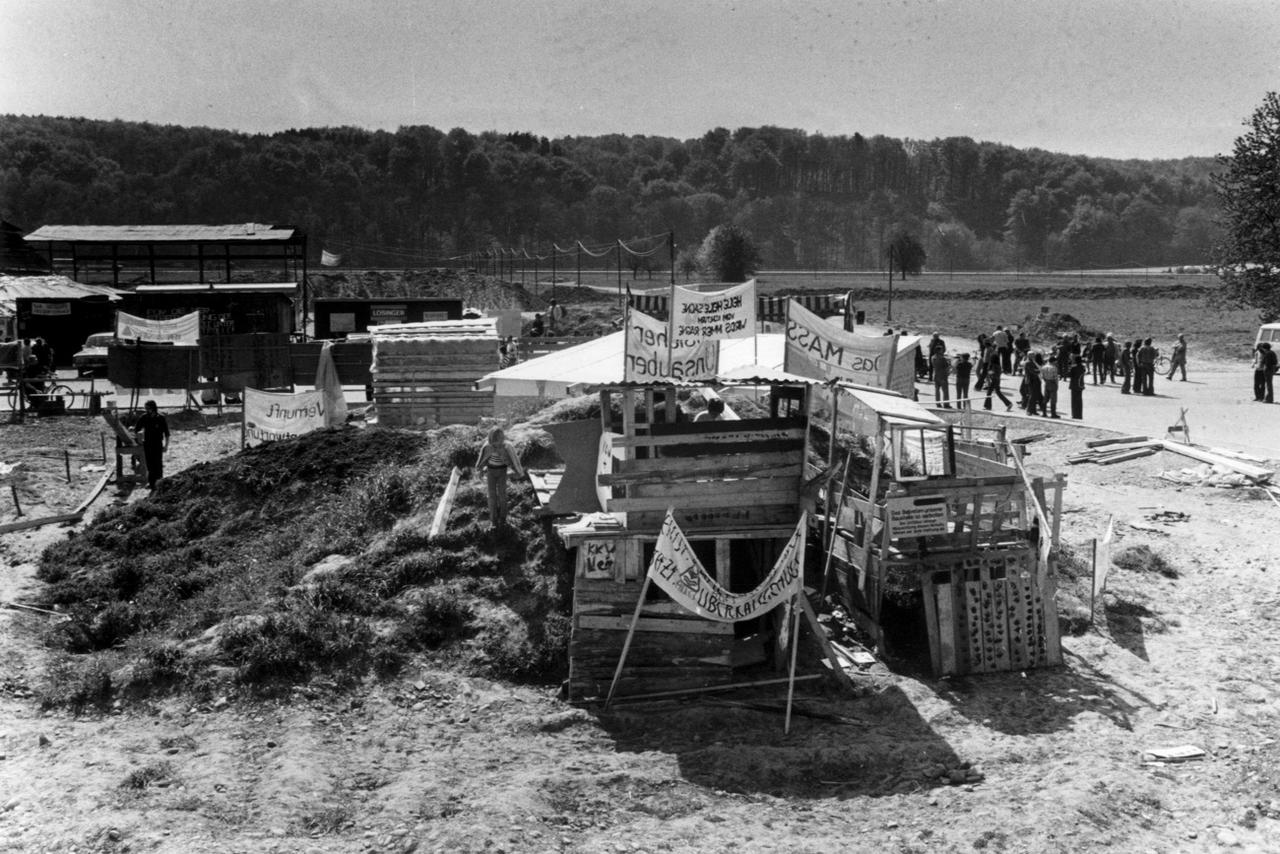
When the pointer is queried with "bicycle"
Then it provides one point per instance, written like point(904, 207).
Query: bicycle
point(37, 388)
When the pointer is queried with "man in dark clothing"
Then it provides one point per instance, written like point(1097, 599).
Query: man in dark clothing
point(1075, 383)
point(155, 441)
point(1126, 367)
point(1021, 349)
point(963, 369)
point(1111, 352)
point(940, 368)
point(1264, 380)
point(1146, 359)
point(1098, 360)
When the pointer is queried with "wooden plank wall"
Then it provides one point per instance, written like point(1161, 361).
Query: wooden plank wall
point(990, 613)
point(429, 382)
point(715, 474)
point(671, 650)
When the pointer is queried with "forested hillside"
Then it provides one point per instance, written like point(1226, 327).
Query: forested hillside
point(418, 195)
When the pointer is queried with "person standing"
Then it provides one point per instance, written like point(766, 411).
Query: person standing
point(964, 368)
point(155, 441)
point(1034, 394)
point(1178, 358)
point(941, 371)
point(1049, 379)
point(1075, 382)
point(1021, 349)
point(1098, 360)
point(1270, 363)
point(1110, 354)
point(1126, 367)
point(1260, 371)
point(1147, 363)
point(495, 458)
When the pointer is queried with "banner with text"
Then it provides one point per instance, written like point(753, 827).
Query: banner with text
point(270, 417)
point(729, 313)
point(677, 570)
point(824, 351)
point(180, 330)
point(649, 359)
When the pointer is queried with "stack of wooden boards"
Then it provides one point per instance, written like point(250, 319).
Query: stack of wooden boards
point(424, 374)
point(1116, 450)
point(1105, 452)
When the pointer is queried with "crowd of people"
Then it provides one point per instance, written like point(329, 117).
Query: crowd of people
point(1006, 361)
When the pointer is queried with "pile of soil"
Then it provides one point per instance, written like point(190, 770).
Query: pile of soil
point(1048, 327)
point(302, 557)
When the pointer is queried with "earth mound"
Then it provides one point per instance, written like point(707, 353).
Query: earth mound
point(307, 557)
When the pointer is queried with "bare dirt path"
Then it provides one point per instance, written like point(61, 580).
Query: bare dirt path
point(438, 761)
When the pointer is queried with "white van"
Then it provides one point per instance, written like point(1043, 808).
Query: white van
point(1269, 332)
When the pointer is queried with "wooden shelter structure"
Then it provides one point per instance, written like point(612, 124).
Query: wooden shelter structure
point(946, 514)
point(735, 489)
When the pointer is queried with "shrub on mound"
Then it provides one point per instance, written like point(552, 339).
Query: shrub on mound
point(310, 556)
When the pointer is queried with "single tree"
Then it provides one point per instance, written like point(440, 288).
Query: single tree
point(1249, 188)
point(728, 255)
point(906, 253)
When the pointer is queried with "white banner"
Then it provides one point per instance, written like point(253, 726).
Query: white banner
point(649, 359)
point(181, 330)
point(823, 351)
point(729, 313)
point(676, 569)
point(270, 417)
point(51, 309)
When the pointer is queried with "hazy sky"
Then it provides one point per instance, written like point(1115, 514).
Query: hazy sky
point(1123, 78)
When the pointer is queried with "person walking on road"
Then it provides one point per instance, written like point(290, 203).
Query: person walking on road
point(993, 382)
point(1178, 358)
point(1075, 382)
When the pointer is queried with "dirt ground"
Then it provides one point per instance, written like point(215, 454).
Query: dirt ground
point(1045, 761)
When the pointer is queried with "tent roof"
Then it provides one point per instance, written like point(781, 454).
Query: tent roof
point(599, 363)
point(14, 288)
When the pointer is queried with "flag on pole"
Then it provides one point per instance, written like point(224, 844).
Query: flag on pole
point(329, 259)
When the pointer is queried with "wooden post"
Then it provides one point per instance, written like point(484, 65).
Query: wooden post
point(66, 458)
point(13, 490)
point(626, 645)
point(833, 523)
point(244, 418)
point(103, 437)
point(795, 643)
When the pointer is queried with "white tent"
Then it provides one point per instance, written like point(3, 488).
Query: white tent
point(599, 363)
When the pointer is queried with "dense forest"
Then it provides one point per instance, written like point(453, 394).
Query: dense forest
point(419, 195)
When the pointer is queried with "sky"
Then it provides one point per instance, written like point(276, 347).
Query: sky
point(1122, 78)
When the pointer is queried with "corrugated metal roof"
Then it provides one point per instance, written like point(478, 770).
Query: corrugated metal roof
point(220, 288)
point(250, 231)
point(51, 287)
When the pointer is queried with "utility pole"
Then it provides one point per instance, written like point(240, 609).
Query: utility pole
point(671, 250)
point(889, 313)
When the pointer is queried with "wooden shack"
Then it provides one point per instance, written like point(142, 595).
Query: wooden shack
point(946, 518)
point(735, 489)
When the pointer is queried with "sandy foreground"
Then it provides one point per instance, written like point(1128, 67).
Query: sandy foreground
point(1046, 760)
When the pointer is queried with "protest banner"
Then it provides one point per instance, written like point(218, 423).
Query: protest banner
point(648, 358)
point(269, 417)
point(677, 570)
point(730, 313)
point(180, 330)
point(824, 351)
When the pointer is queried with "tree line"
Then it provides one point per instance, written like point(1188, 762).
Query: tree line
point(418, 195)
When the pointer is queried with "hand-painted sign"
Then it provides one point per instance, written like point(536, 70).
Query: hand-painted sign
point(270, 417)
point(677, 570)
point(818, 349)
point(51, 309)
point(917, 516)
point(181, 330)
point(730, 313)
point(650, 359)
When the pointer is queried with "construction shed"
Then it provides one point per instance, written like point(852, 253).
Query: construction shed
point(338, 318)
point(239, 308)
point(62, 312)
point(127, 255)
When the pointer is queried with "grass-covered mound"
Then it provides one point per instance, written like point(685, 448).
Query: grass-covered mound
point(303, 557)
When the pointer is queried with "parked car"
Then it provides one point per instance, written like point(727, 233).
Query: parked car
point(91, 360)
